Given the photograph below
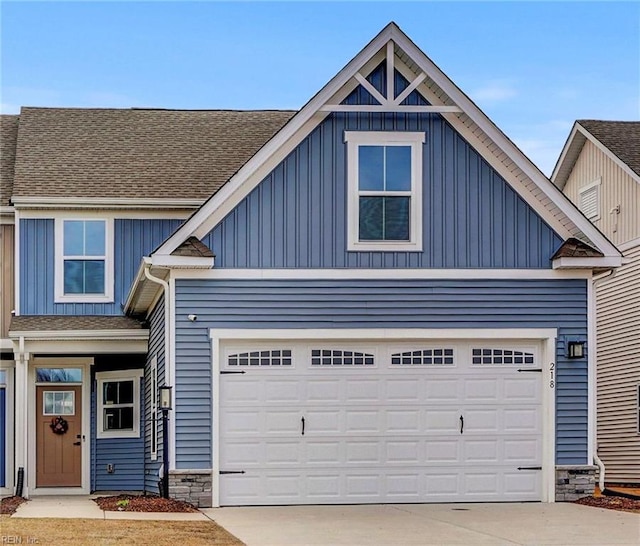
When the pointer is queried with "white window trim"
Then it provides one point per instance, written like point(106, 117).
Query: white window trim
point(60, 296)
point(595, 185)
point(638, 408)
point(119, 375)
point(153, 409)
point(354, 140)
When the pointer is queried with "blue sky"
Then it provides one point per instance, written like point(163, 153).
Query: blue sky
point(533, 67)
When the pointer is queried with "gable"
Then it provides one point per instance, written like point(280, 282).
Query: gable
point(296, 217)
point(442, 97)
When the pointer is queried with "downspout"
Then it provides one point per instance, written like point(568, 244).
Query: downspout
point(168, 365)
point(597, 460)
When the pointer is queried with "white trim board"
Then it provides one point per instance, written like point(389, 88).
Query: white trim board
point(551, 204)
point(106, 213)
point(336, 274)
point(104, 202)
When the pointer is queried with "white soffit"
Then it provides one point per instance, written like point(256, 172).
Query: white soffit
point(481, 133)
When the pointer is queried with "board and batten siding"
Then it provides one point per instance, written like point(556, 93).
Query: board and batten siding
point(6, 277)
point(618, 188)
point(133, 239)
point(297, 216)
point(618, 354)
point(157, 350)
point(260, 304)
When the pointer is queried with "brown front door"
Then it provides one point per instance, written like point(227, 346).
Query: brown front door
point(59, 455)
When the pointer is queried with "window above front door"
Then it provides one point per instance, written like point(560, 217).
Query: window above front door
point(384, 172)
point(84, 263)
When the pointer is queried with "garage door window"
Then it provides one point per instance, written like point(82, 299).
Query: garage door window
point(332, 357)
point(428, 357)
point(278, 357)
point(501, 356)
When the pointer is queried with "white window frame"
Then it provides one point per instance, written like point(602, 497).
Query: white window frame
point(153, 409)
point(107, 295)
point(108, 377)
point(354, 140)
point(595, 187)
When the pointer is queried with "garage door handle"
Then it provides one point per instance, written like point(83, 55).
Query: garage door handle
point(461, 424)
point(302, 425)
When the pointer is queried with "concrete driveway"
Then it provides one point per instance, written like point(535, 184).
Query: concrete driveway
point(429, 524)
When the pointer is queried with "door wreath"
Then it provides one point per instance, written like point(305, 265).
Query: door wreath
point(59, 425)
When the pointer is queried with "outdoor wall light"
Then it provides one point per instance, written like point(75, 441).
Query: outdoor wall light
point(192, 318)
point(575, 349)
point(165, 398)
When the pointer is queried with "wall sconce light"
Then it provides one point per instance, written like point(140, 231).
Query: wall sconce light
point(575, 349)
point(165, 398)
point(192, 318)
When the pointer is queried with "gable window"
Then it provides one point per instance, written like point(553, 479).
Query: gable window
point(384, 208)
point(589, 200)
point(84, 268)
point(118, 396)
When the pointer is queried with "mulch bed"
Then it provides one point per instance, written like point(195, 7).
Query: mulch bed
point(611, 503)
point(9, 505)
point(139, 503)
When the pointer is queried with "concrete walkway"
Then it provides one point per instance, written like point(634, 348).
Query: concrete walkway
point(536, 524)
point(83, 506)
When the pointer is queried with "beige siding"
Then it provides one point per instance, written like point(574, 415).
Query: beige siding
point(617, 189)
point(6, 277)
point(618, 357)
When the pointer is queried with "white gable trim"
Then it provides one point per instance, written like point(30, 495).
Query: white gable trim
point(548, 200)
point(574, 140)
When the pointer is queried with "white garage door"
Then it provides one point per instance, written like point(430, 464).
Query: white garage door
point(322, 422)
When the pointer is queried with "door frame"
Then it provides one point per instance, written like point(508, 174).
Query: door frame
point(85, 364)
point(545, 337)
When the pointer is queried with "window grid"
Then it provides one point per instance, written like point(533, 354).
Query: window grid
point(276, 357)
point(424, 357)
point(58, 403)
point(93, 259)
point(333, 357)
point(501, 356)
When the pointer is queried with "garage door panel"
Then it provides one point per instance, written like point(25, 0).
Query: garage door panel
point(359, 390)
point(362, 421)
point(405, 452)
point(278, 391)
point(437, 390)
point(521, 420)
point(442, 486)
point(522, 389)
point(324, 390)
point(403, 390)
point(442, 421)
point(483, 420)
point(481, 451)
point(402, 420)
point(442, 451)
point(522, 451)
point(476, 389)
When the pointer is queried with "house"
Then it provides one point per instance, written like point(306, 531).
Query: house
point(377, 298)
point(599, 170)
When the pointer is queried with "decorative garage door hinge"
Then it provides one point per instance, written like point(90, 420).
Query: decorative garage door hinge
point(539, 370)
point(529, 468)
point(231, 471)
point(232, 371)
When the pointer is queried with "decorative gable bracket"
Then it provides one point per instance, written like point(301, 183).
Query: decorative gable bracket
point(390, 102)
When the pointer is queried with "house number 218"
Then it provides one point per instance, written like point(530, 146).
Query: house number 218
point(552, 380)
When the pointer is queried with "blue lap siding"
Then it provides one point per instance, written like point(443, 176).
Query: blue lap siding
point(258, 304)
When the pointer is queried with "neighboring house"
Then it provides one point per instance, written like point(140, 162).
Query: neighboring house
point(378, 299)
point(599, 170)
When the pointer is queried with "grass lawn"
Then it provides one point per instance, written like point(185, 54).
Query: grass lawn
point(99, 532)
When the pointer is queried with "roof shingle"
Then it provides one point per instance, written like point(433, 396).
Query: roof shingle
point(621, 137)
point(8, 136)
point(38, 323)
point(117, 153)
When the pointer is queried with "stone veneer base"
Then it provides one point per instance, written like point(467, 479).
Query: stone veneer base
point(575, 481)
point(191, 486)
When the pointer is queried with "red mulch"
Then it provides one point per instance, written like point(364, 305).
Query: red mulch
point(612, 503)
point(9, 505)
point(139, 503)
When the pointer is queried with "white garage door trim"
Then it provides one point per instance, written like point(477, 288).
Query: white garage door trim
point(544, 337)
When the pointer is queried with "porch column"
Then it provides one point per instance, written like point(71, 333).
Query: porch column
point(21, 420)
